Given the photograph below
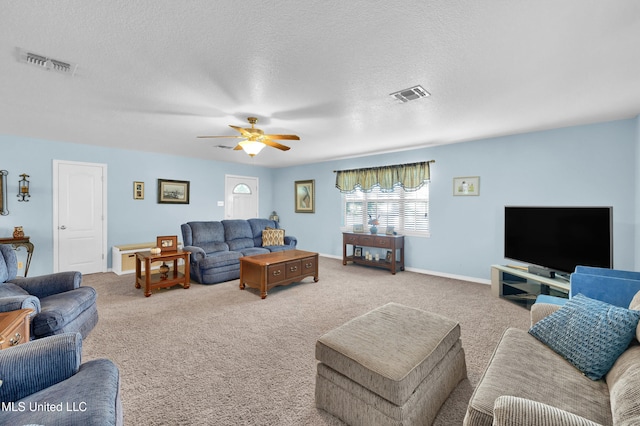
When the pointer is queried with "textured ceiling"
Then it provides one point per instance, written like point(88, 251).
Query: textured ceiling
point(152, 75)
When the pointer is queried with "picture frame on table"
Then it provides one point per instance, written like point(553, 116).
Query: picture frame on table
point(358, 228)
point(167, 243)
point(357, 252)
point(388, 257)
point(173, 191)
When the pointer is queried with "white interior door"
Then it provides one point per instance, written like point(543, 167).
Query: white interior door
point(241, 194)
point(79, 228)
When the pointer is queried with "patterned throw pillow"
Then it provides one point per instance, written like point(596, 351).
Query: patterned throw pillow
point(272, 237)
point(588, 333)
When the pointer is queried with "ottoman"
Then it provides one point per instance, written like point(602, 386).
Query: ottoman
point(395, 365)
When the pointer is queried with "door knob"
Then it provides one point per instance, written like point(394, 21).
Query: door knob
point(62, 227)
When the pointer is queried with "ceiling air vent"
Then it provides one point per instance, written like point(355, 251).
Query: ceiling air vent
point(410, 94)
point(49, 64)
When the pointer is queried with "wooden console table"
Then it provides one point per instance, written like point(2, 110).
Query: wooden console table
point(172, 277)
point(392, 243)
point(21, 242)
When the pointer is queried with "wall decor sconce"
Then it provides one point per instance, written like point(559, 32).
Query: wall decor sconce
point(23, 187)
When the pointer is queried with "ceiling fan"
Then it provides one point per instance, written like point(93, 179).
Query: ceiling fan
point(255, 139)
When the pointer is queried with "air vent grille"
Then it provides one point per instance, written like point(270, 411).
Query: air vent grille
point(46, 63)
point(410, 94)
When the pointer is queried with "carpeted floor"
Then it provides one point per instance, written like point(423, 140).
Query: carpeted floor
point(217, 355)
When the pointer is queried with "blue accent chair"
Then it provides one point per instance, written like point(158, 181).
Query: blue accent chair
point(49, 371)
point(613, 286)
point(60, 304)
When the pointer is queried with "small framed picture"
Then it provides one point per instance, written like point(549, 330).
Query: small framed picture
point(388, 258)
point(389, 230)
point(167, 243)
point(358, 227)
point(173, 191)
point(357, 252)
point(138, 190)
point(467, 185)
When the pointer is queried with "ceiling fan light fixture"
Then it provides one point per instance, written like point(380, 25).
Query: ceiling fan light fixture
point(252, 148)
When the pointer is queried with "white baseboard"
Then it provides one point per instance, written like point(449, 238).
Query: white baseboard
point(427, 272)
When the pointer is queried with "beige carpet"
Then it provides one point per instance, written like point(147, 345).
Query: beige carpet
point(217, 355)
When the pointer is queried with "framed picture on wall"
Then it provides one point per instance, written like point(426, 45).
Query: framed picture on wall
point(305, 196)
point(467, 185)
point(173, 191)
point(138, 190)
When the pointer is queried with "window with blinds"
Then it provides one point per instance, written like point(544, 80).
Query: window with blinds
point(406, 211)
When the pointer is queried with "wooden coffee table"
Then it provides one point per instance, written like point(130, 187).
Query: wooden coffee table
point(265, 271)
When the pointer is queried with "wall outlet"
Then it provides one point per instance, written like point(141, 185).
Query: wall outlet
point(20, 265)
point(220, 203)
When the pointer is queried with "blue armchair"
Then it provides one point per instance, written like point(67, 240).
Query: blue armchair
point(60, 304)
point(613, 286)
point(44, 383)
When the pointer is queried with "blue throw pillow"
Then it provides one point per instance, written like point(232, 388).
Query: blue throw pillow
point(588, 333)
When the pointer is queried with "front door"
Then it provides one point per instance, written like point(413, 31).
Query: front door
point(79, 212)
point(241, 194)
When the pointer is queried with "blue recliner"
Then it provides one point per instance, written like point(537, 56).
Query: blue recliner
point(60, 304)
point(613, 286)
point(45, 383)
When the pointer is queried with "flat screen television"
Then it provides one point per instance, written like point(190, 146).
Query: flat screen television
point(559, 238)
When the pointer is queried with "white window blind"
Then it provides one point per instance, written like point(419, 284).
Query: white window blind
point(406, 211)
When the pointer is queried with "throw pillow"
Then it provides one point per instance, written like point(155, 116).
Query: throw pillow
point(588, 333)
point(272, 237)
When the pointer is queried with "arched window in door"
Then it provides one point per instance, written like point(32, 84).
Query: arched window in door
point(242, 188)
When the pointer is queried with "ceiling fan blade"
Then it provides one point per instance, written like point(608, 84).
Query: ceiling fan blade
point(275, 144)
point(237, 148)
point(235, 137)
point(282, 137)
point(241, 130)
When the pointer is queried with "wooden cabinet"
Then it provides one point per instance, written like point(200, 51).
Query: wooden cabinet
point(14, 327)
point(394, 245)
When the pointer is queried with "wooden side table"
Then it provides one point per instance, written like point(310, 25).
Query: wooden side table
point(151, 280)
point(21, 242)
point(14, 327)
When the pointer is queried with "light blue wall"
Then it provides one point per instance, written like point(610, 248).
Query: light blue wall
point(129, 221)
point(595, 164)
point(637, 195)
point(583, 165)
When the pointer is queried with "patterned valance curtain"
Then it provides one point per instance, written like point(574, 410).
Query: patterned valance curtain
point(410, 177)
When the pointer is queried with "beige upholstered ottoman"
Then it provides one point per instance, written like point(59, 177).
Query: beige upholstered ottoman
point(395, 365)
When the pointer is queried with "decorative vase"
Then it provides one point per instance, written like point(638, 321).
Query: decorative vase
point(18, 232)
point(374, 229)
point(164, 271)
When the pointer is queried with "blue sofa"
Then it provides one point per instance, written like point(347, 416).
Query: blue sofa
point(613, 286)
point(49, 371)
point(216, 247)
point(60, 304)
